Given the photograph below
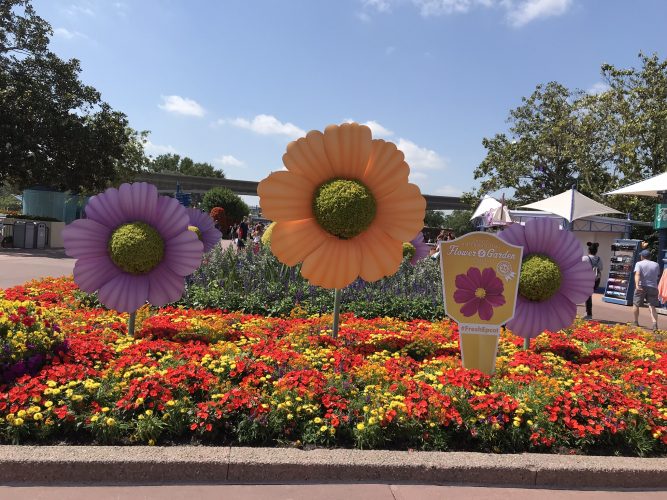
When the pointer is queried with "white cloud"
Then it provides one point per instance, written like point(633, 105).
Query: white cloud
point(82, 8)
point(158, 149)
point(228, 161)
point(529, 10)
point(449, 190)
point(598, 88)
point(420, 158)
point(181, 105)
point(377, 130)
point(267, 125)
point(518, 12)
point(379, 5)
point(67, 34)
point(363, 17)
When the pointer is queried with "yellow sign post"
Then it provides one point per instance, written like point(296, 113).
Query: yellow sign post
point(480, 279)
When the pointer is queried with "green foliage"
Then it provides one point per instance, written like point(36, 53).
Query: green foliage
point(459, 222)
point(260, 284)
point(136, 247)
point(540, 278)
point(56, 130)
point(266, 236)
point(175, 164)
point(33, 217)
point(344, 208)
point(235, 207)
point(434, 218)
point(408, 250)
point(560, 137)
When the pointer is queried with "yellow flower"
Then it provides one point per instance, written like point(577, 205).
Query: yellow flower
point(344, 206)
point(37, 416)
point(317, 420)
point(323, 428)
point(360, 426)
point(110, 422)
point(17, 422)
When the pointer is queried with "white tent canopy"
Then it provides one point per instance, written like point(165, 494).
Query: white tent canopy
point(571, 205)
point(487, 203)
point(647, 187)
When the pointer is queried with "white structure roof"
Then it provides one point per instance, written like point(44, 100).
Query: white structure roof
point(647, 187)
point(571, 205)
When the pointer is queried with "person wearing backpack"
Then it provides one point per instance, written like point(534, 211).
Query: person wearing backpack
point(596, 263)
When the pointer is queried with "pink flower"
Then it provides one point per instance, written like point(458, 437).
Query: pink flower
point(479, 292)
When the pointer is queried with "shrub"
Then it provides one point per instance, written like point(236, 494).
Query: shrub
point(235, 208)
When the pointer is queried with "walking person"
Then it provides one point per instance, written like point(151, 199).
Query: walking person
point(596, 263)
point(646, 287)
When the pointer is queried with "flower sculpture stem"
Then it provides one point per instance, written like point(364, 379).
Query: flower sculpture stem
point(336, 312)
point(130, 323)
point(526, 343)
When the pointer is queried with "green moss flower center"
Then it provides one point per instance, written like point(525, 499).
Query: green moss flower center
point(408, 250)
point(540, 278)
point(195, 230)
point(136, 247)
point(344, 208)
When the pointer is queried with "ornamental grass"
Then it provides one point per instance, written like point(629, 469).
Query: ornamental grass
point(219, 378)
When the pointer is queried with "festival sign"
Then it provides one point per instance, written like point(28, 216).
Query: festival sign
point(480, 279)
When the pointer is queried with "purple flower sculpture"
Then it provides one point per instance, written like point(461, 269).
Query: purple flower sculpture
point(204, 226)
point(479, 292)
point(553, 277)
point(133, 247)
point(421, 248)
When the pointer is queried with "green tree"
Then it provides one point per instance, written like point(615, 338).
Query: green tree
point(459, 222)
point(547, 149)
point(235, 207)
point(54, 130)
point(174, 163)
point(434, 218)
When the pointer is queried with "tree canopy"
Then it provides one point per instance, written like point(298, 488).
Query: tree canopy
point(55, 131)
point(559, 137)
point(235, 207)
point(185, 166)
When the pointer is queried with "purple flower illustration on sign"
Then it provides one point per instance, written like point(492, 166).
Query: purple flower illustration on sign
point(479, 292)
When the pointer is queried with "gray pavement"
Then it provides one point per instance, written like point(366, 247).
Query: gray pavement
point(208, 472)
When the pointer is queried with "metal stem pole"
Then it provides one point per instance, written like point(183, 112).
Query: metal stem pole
point(130, 323)
point(526, 344)
point(336, 313)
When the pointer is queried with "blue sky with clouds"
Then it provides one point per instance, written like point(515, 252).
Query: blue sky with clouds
point(231, 82)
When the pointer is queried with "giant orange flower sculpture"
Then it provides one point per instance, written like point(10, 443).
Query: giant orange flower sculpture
point(344, 206)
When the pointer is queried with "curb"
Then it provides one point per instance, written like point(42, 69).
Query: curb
point(42, 465)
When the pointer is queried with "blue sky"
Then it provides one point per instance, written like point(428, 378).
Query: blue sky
point(231, 82)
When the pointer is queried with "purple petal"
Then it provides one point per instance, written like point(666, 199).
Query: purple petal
point(125, 292)
point(475, 277)
point(105, 208)
point(495, 286)
point(514, 235)
point(560, 312)
point(138, 201)
point(542, 235)
point(91, 273)
point(183, 253)
point(463, 282)
point(165, 286)
point(422, 250)
point(462, 295)
point(527, 319)
point(210, 236)
point(496, 300)
point(470, 307)
point(577, 282)
point(170, 218)
point(86, 238)
point(485, 310)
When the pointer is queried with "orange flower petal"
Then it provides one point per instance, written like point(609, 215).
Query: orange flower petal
point(386, 169)
point(348, 147)
point(380, 254)
point(293, 241)
point(307, 157)
point(286, 196)
point(401, 213)
point(335, 264)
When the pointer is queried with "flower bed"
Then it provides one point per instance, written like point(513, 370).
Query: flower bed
point(232, 378)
